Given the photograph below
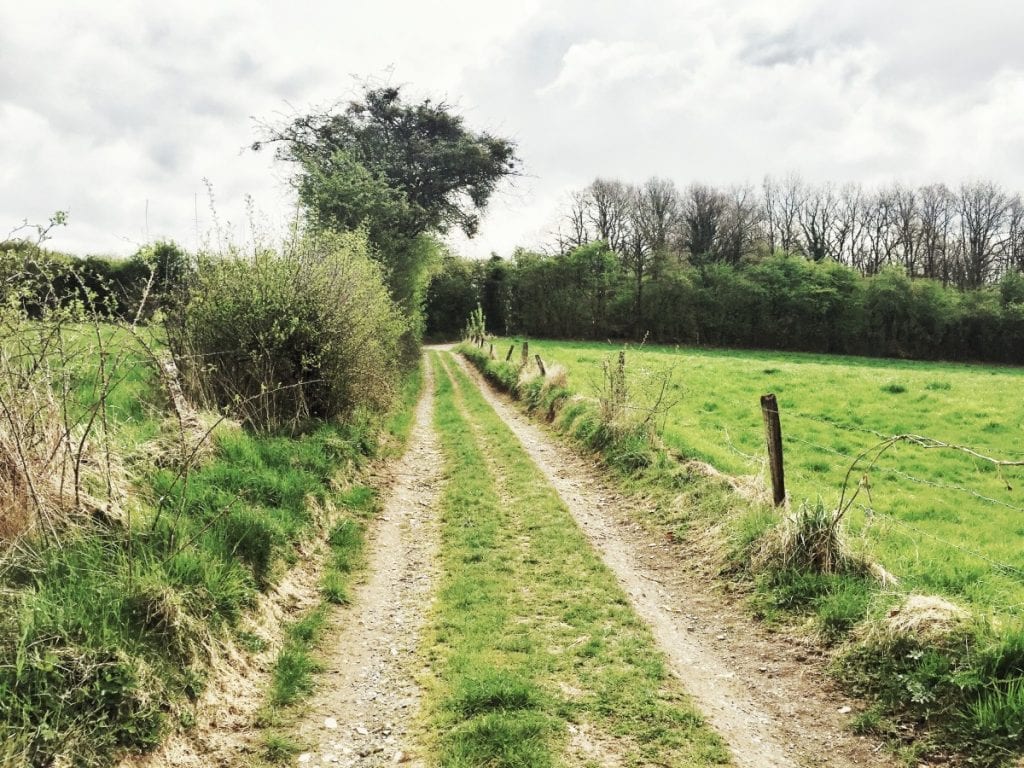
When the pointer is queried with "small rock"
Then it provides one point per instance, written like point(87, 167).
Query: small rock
point(305, 757)
point(362, 731)
point(398, 757)
point(720, 637)
point(330, 722)
point(845, 710)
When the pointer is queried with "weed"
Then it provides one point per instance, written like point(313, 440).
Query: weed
point(279, 749)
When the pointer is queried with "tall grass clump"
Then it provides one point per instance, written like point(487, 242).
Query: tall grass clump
point(281, 336)
point(66, 378)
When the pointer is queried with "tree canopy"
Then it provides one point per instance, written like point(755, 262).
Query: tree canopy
point(404, 169)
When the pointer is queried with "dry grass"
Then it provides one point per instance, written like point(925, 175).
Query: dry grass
point(808, 538)
point(927, 619)
point(50, 470)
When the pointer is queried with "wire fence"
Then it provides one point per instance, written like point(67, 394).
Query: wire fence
point(863, 469)
point(868, 465)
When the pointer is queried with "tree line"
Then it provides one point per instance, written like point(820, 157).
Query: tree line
point(927, 272)
point(968, 236)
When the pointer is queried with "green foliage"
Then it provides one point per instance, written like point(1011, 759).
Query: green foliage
point(781, 301)
point(404, 172)
point(453, 293)
point(279, 749)
point(476, 326)
point(420, 156)
point(967, 689)
point(40, 280)
point(295, 666)
point(281, 337)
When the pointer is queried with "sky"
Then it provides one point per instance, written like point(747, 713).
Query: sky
point(135, 117)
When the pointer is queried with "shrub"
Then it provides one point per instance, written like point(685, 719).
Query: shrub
point(283, 336)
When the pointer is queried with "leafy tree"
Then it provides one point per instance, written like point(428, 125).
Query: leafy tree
point(403, 171)
point(444, 172)
point(452, 295)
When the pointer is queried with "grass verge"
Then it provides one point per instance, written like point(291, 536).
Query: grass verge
point(532, 641)
point(104, 636)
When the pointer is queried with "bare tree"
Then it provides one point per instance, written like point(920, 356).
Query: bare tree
point(741, 220)
point(969, 237)
point(1013, 251)
point(848, 237)
point(782, 210)
point(936, 212)
point(574, 227)
point(657, 219)
point(907, 222)
point(609, 212)
point(637, 253)
point(881, 237)
point(818, 218)
point(982, 208)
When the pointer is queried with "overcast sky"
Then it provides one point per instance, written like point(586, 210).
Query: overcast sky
point(117, 111)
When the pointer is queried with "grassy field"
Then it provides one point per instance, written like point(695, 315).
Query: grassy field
point(942, 520)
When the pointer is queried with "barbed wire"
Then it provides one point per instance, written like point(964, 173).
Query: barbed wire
point(870, 511)
point(920, 441)
point(835, 424)
point(910, 477)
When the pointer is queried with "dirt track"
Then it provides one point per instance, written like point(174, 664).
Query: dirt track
point(768, 697)
point(368, 696)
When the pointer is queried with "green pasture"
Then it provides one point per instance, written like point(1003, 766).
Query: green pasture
point(941, 520)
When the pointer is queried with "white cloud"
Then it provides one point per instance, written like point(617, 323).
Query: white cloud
point(110, 109)
point(591, 67)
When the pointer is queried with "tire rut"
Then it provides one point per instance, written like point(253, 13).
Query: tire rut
point(366, 707)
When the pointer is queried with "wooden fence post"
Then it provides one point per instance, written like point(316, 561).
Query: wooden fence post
point(491, 353)
point(526, 352)
point(509, 355)
point(540, 364)
point(773, 437)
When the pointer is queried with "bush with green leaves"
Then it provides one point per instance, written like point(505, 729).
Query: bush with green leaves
point(280, 336)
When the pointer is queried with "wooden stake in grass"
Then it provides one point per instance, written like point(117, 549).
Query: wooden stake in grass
point(510, 351)
point(526, 352)
point(491, 353)
point(540, 365)
point(773, 437)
